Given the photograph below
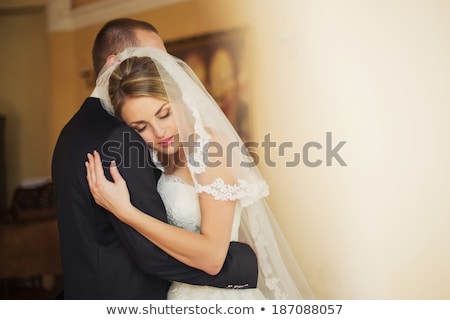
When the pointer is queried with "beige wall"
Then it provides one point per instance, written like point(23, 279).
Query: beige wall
point(24, 94)
point(376, 75)
point(80, 3)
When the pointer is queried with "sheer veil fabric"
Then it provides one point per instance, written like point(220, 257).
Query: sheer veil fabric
point(221, 167)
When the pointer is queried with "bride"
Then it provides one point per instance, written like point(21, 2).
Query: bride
point(210, 185)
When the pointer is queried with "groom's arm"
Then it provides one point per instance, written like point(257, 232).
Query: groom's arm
point(132, 158)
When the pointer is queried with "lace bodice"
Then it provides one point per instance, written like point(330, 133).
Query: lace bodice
point(183, 210)
point(182, 205)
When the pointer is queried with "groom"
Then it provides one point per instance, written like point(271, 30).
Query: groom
point(102, 257)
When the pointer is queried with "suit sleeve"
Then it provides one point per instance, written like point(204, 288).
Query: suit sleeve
point(133, 161)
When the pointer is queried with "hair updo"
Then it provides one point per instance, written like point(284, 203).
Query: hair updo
point(138, 77)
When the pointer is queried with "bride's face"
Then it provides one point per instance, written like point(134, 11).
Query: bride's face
point(152, 118)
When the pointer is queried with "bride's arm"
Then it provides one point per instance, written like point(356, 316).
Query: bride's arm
point(205, 251)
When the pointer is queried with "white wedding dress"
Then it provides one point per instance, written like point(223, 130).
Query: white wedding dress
point(183, 210)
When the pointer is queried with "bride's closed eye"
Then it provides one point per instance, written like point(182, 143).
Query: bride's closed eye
point(140, 128)
point(162, 114)
point(165, 115)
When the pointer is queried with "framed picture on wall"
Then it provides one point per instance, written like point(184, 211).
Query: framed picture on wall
point(218, 59)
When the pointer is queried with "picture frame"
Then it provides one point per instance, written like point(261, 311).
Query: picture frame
point(219, 61)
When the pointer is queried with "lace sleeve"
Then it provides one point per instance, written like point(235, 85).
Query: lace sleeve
point(244, 191)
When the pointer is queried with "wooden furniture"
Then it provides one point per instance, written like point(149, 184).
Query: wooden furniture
point(29, 248)
point(29, 244)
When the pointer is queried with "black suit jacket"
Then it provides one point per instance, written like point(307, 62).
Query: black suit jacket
point(102, 257)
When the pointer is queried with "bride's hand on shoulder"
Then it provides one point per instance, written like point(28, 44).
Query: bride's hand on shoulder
point(113, 196)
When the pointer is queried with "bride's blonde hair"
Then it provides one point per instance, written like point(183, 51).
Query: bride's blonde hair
point(136, 77)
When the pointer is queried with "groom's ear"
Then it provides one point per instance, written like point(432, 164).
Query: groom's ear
point(111, 59)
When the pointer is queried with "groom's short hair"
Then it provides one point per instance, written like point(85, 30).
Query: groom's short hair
point(114, 37)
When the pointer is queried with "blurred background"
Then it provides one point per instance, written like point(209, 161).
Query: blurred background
point(374, 74)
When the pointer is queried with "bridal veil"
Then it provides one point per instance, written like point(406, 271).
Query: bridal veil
point(221, 166)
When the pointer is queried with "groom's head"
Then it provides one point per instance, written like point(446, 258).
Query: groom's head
point(118, 34)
